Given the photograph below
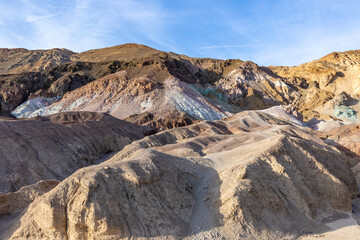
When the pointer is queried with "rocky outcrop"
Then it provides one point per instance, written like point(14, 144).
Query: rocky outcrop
point(252, 87)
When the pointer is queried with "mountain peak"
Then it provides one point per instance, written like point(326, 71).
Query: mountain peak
point(120, 52)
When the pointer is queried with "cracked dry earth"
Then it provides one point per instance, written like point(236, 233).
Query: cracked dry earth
point(250, 176)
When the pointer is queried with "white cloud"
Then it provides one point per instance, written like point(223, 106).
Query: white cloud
point(33, 18)
point(229, 46)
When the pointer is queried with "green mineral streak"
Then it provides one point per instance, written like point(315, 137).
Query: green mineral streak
point(210, 92)
point(346, 113)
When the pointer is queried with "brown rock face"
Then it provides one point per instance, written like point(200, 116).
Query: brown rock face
point(15, 88)
point(251, 175)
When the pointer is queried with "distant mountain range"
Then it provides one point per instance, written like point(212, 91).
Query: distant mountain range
point(152, 87)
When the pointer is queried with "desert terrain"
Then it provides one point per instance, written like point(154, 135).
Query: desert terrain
point(130, 142)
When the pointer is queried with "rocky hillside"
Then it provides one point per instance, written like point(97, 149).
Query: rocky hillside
point(250, 176)
point(178, 87)
point(326, 88)
point(131, 142)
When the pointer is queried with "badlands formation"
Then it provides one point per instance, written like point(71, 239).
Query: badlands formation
point(129, 142)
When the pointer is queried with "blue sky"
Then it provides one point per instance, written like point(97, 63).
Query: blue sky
point(268, 32)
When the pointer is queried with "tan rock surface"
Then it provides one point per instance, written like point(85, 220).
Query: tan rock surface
point(14, 202)
point(328, 77)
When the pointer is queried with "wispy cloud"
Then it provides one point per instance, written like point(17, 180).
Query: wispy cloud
point(85, 24)
point(229, 46)
point(33, 18)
